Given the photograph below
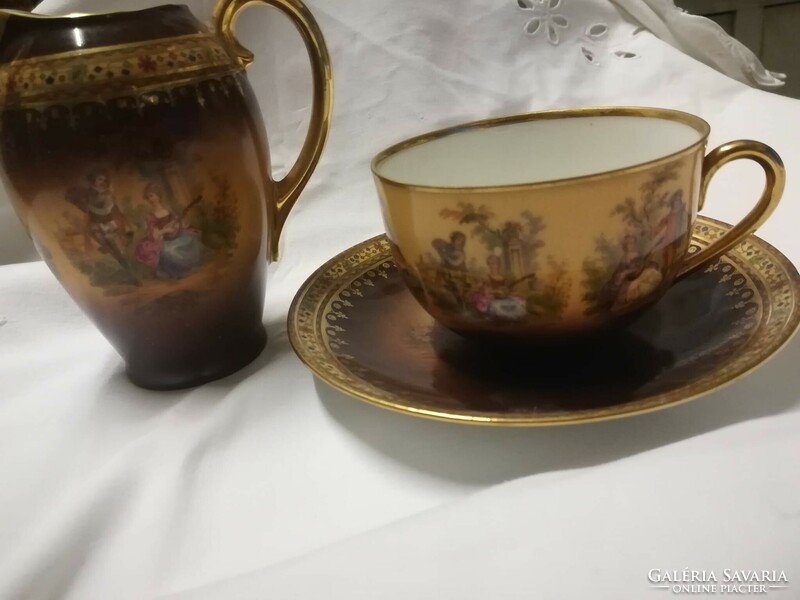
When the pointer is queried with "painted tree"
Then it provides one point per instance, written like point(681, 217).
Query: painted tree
point(642, 216)
point(511, 240)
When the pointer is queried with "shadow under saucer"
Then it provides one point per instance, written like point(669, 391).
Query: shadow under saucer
point(602, 371)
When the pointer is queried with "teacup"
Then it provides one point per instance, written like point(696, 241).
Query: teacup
point(557, 222)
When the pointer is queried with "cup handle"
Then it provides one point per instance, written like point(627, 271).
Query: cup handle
point(773, 189)
point(288, 189)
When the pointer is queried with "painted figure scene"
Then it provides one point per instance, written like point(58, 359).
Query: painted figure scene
point(628, 269)
point(507, 279)
point(160, 228)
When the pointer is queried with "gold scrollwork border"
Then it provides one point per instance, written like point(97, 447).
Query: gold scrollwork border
point(110, 71)
point(763, 331)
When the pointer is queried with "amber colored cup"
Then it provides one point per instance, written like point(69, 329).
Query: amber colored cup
point(555, 223)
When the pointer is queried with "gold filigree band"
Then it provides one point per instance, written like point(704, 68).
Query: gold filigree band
point(112, 71)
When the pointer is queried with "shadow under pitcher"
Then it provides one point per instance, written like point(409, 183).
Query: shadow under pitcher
point(134, 152)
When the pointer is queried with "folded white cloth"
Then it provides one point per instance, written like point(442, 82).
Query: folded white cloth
point(721, 507)
point(112, 492)
point(702, 39)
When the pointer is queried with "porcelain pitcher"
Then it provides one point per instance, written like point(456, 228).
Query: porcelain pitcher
point(134, 152)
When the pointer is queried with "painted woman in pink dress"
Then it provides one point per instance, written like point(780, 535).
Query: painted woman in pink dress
point(170, 246)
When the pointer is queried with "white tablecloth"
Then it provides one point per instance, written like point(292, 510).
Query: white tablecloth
point(269, 484)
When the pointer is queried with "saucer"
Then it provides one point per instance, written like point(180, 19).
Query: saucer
point(357, 327)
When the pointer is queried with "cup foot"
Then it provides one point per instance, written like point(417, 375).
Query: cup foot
point(515, 338)
point(227, 359)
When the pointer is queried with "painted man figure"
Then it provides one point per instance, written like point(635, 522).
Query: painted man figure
point(107, 226)
point(452, 253)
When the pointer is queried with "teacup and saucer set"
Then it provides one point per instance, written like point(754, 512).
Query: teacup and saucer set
point(550, 268)
point(536, 269)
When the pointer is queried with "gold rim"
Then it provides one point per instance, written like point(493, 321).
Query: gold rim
point(310, 343)
point(698, 124)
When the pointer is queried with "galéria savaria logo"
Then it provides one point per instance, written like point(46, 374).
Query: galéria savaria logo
point(727, 581)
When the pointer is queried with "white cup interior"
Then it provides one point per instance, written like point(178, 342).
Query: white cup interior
point(538, 151)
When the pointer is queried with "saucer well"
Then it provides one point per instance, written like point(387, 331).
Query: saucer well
point(356, 326)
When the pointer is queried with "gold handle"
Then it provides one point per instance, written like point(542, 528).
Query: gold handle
point(288, 189)
point(773, 189)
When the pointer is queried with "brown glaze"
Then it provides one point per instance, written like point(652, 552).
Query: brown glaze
point(23, 5)
point(134, 152)
point(26, 38)
point(377, 343)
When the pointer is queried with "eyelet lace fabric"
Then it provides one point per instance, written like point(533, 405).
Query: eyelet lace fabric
point(557, 22)
point(596, 37)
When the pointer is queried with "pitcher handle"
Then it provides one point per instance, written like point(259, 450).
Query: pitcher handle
point(288, 189)
point(769, 160)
